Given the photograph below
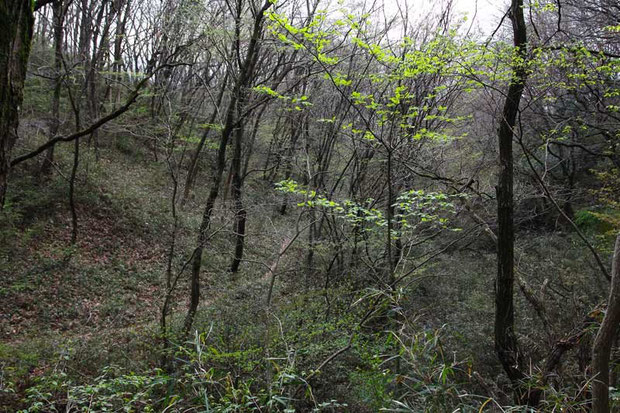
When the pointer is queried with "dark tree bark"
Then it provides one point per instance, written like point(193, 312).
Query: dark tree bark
point(193, 165)
point(16, 22)
point(246, 70)
point(119, 37)
point(240, 212)
point(99, 31)
point(74, 169)
point(601, 350)
point(506, 344)
point(58, 19)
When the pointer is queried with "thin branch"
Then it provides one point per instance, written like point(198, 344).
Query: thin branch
point(96, 125)
point(545, 189)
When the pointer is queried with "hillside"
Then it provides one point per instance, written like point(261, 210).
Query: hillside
point(240, 206)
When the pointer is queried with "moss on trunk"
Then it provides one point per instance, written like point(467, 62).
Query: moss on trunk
point(16, 19)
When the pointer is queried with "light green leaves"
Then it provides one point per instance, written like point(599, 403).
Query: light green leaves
point(298, 103)
point(414, 208)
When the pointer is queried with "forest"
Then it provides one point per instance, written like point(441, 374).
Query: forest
point(309, 206)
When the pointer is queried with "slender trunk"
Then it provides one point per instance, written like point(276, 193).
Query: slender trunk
point(99, 39)
point(41, 30)
point(270, 173)
point(220, 166)
point(193, 165)
point(239, 173)
point(288, 158)
point(117, 65)
point(74, 217)
point(93, 110)
point(311, 241)
point(58, 19)
point(601, 350)
point(246, 71)
point(390, 223)
point(76, 160)
point(203, 234)
point(240, 212)
point(506, 344)
point(170, 283)
point(250, 146)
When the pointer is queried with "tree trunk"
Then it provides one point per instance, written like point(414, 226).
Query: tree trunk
point(58, 19)
point(16, 20)
point(206, 220)
point(506, 344)
point(246, 71)
point(118, 64)
point(601, 350)
point(239, 173)
point(193, 165)
point(74, 217)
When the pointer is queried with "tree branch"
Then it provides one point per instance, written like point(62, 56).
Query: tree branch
point(93, 127)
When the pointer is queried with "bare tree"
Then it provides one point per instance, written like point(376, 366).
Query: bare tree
point(506, 344)
point(235, 106)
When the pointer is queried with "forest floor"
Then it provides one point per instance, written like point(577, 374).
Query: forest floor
point(98, 302)
point(59, 298)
